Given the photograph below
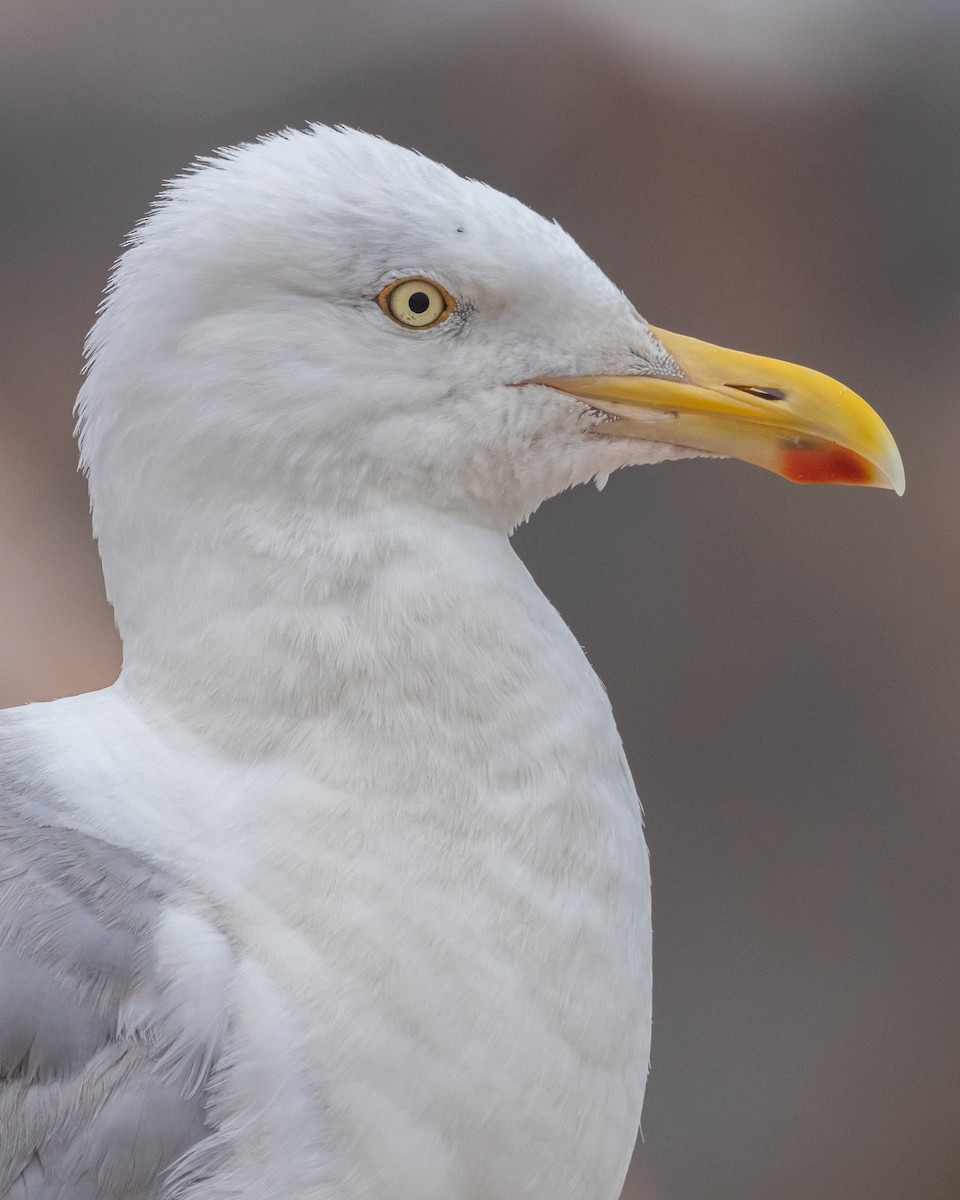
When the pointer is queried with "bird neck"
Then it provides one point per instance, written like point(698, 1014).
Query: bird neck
point(405, 629)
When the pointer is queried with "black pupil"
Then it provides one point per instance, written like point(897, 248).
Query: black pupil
point(419, 302)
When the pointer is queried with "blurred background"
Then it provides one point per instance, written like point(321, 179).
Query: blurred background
point(783, 178)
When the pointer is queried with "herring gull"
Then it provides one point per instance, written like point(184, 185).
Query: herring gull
point(341, 890)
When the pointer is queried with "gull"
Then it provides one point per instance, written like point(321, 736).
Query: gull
point(340, 891)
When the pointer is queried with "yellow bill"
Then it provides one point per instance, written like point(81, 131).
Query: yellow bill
point(803, 425)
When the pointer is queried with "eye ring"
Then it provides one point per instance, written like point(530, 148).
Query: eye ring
point(415, 302)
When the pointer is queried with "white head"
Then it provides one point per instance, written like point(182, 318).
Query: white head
point(242, 339)
point(246, 359)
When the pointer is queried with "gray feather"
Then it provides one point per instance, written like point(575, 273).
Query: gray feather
point(89, 1110)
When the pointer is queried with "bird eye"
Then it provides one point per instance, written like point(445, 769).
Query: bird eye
point(416, 303)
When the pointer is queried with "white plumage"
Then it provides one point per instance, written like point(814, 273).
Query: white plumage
point(355, 822)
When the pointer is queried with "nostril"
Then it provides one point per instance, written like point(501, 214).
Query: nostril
point(762, 393)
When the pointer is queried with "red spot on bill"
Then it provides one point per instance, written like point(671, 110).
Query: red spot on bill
point(825, 464)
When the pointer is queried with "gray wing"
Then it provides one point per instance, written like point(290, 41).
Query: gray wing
point(102, 1086)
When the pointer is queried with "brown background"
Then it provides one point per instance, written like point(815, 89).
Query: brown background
point(782, 660)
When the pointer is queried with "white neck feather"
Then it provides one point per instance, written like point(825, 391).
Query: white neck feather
point(407, 630)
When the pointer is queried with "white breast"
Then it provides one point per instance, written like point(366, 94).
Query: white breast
point(440, 895)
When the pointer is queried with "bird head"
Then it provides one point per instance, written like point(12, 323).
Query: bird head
point(323, 318)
